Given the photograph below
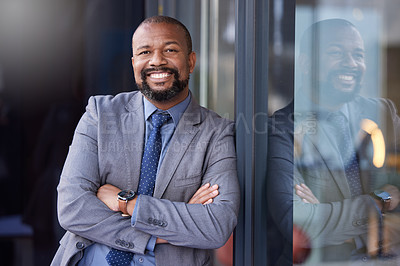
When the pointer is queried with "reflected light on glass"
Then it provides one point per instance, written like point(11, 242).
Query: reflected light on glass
point(378, 141)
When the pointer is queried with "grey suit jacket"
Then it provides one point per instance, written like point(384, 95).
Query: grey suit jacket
point(107, 149)
point(305, 152)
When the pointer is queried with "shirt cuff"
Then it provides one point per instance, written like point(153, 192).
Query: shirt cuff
point(151, 244)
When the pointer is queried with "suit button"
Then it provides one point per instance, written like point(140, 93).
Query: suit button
point(155, 221)
point(150, 220)
point(164, 224)
point(141, 260)
point(118, 242)
point(131, 245)
point(80, 245)
point(126, 244)
point(354, 223)
point(358, 222)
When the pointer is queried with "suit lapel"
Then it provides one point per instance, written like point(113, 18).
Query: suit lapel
point(180, 142)
point(133, 138)
point(328, 150)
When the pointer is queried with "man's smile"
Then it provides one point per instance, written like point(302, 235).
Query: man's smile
point(346, 77)
point(345, 81)
point(159, 75)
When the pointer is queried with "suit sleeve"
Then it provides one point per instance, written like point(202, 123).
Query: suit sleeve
point(280, 176)
point(329, 223)
point(333, 223)
point(196, 225)
point(79, 209)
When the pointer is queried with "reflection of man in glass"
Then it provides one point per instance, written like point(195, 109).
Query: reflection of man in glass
point(329, 170)
point(332, 55)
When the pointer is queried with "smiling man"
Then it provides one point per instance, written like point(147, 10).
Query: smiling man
point(150, 177)
point(322, 178)
point(157, 57)
point(332, 63)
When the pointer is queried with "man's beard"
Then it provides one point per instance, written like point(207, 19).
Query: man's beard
point(167, 94)
point(329, 95)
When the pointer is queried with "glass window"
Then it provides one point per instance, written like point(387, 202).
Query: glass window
point(333, 150)
point(212, 28)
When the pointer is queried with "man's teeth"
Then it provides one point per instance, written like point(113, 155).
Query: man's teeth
point(159, 75)
point(346, 77)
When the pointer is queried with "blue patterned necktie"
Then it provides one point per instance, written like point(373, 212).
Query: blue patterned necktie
point(148, 173)
point(119, 258)
point(348, 154)
point(151, 156)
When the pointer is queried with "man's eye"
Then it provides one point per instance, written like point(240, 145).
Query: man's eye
point(144, 53)
point(335, 53)
point(171, 50)
point(359, 56)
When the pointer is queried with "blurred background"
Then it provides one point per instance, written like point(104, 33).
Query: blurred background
point(53, 56)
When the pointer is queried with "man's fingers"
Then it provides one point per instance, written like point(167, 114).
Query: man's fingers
point(204, 194)
point(208, 202)
point(201, 189)
point(306, 194)
point(208, 198)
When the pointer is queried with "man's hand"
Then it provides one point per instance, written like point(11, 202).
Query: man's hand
point(306, 194)
point(205, 194)
point(108, 194)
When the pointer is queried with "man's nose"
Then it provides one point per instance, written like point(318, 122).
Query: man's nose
point(349, 61)
point(158, 59)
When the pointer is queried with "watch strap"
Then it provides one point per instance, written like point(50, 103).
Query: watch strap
point(385, 205)
point(384, 197)
point(123, 207)
point(123, 197)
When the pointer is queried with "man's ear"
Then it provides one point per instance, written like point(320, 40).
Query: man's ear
point(192, 61)
point(132, 61)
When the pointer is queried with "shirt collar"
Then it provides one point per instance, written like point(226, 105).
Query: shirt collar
point(175, 111)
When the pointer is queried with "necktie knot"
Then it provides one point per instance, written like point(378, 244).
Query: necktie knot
point(338, 120)
point(159, 119)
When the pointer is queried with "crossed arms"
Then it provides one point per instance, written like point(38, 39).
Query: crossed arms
point(108, 195)
point(89, 167)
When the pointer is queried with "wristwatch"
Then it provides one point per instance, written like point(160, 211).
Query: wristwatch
point(384, 197)
point(123, 197)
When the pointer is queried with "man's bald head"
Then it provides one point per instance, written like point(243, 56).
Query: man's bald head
point(171, 21)
point(318, 31)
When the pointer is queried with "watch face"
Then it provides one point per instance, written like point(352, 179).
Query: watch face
point(383, 195)
point(126, 194)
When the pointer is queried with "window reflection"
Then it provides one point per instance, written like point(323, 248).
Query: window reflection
point(333, 150)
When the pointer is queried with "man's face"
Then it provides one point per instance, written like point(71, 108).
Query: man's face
point(161, 61)
point(340, 64)
point(342, 59)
